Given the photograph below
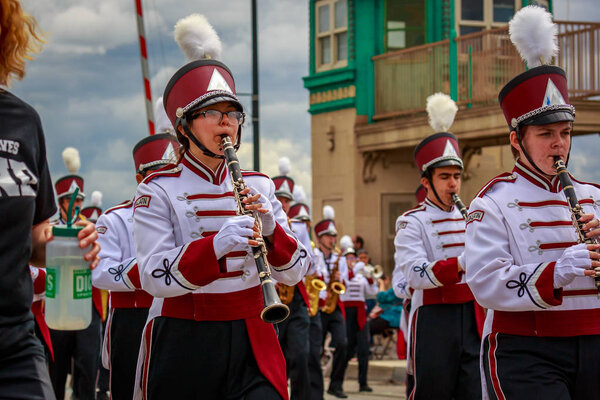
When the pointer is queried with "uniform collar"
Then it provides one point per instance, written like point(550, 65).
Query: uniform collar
point(435, 206)
point(203, 171)
point(535, 177)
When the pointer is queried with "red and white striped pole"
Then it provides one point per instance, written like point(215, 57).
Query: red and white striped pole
point(144, 60)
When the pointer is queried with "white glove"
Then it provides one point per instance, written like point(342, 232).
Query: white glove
point(573, 263)
point(267, 219)
point(234, 235)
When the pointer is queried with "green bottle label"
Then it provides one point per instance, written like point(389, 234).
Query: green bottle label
point(82, 283)
point(50, 283)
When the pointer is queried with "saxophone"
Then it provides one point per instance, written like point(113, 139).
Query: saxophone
point(313, 286)
point(334, 288)
point(274, 311)
point(576, 210)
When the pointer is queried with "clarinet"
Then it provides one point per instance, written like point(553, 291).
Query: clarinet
point(576, 209)
point(274, 311)
point(460, 205)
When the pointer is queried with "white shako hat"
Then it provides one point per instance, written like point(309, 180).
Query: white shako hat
point(284, 185)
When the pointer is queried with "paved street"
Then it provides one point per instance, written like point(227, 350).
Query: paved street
point(386, 377)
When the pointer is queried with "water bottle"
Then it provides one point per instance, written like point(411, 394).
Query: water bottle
point(68, 280)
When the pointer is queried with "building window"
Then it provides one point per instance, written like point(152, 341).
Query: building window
point(332, 34)
point(477, 15)
point(405, 24)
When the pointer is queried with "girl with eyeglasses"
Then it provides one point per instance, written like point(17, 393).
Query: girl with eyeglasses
point(204, 337)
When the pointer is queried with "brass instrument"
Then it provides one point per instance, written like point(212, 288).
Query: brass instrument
point(576, 210)
point(370, 271)
point(334, 288)
point(313, 286)
point(460, 205)
point(286, 293)
point(274, 311)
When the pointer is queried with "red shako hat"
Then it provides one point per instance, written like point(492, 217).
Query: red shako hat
point(94, 211)
point(299, 209)
point(156, 150)
point(440, 149)
point(284, 185)
point(539, 95)
point(327, 225)
point(66, 185)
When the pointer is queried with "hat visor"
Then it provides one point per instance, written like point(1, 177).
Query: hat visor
point(447, 163)
point(284, 194)
point(221, 98)
point(550, 117)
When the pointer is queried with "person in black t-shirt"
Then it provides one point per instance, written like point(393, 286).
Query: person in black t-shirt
point(26, 204)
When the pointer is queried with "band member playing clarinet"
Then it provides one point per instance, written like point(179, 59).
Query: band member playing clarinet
point(524, 263)
point(444, 321)
point(205, 337)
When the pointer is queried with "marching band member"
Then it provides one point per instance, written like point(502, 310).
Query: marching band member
point(300, 215)
point(429, 244)
point(38, 276)
point(359, 286)
point(335, 272)
point(204, 330)
point(524, 263)
point(83, 346)
point(294, 331)
point(403, 291)
point(118, 271)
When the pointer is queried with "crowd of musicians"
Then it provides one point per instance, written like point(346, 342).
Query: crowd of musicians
point(500, 300)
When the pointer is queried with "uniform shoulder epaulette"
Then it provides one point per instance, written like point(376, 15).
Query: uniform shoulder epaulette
point(125, 204)
point(504, 177)
point(254, 173)
point(420, 207)
point(168, 170)
point(586, 183)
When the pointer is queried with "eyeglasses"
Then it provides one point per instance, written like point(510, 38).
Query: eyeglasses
point(216, 116)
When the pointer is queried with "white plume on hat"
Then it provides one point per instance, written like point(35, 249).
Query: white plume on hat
point(299, 195)
point(441, 110)
point(346, 242)
point(284, 166)
point(328, 212)
point(534, 35)
point(197, 38)
point(96, 198)
point(162, 121)
point(70, 156)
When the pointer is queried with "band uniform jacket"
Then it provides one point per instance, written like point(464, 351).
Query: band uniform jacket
point(177, 213)
point(429, 243)
point(117, 270)
point(325, 266)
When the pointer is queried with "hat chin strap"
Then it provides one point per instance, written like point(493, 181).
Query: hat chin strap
point(534, 165)
point(428, 176)
point(203, 148)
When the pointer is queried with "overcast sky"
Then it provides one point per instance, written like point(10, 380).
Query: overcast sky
point(87, 83)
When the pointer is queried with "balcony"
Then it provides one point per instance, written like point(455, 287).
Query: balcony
point(486, 61)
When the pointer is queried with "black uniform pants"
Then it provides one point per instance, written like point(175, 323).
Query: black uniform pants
point(294, 341)
point(204, 360)
point(23, 371)
point(335, 324)
point(314, 360)
point(126, 330)
point(446, 348)
point(557, 368)
point(358, 342)
point(83, 346)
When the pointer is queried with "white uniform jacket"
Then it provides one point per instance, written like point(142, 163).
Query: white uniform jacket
point(359, 288)
point(429, 242)
point(301, 231)
point(326, 265)
point(117, 270)
point(518, 227)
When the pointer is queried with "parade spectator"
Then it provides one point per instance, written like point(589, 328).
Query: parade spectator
point(26, 204)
